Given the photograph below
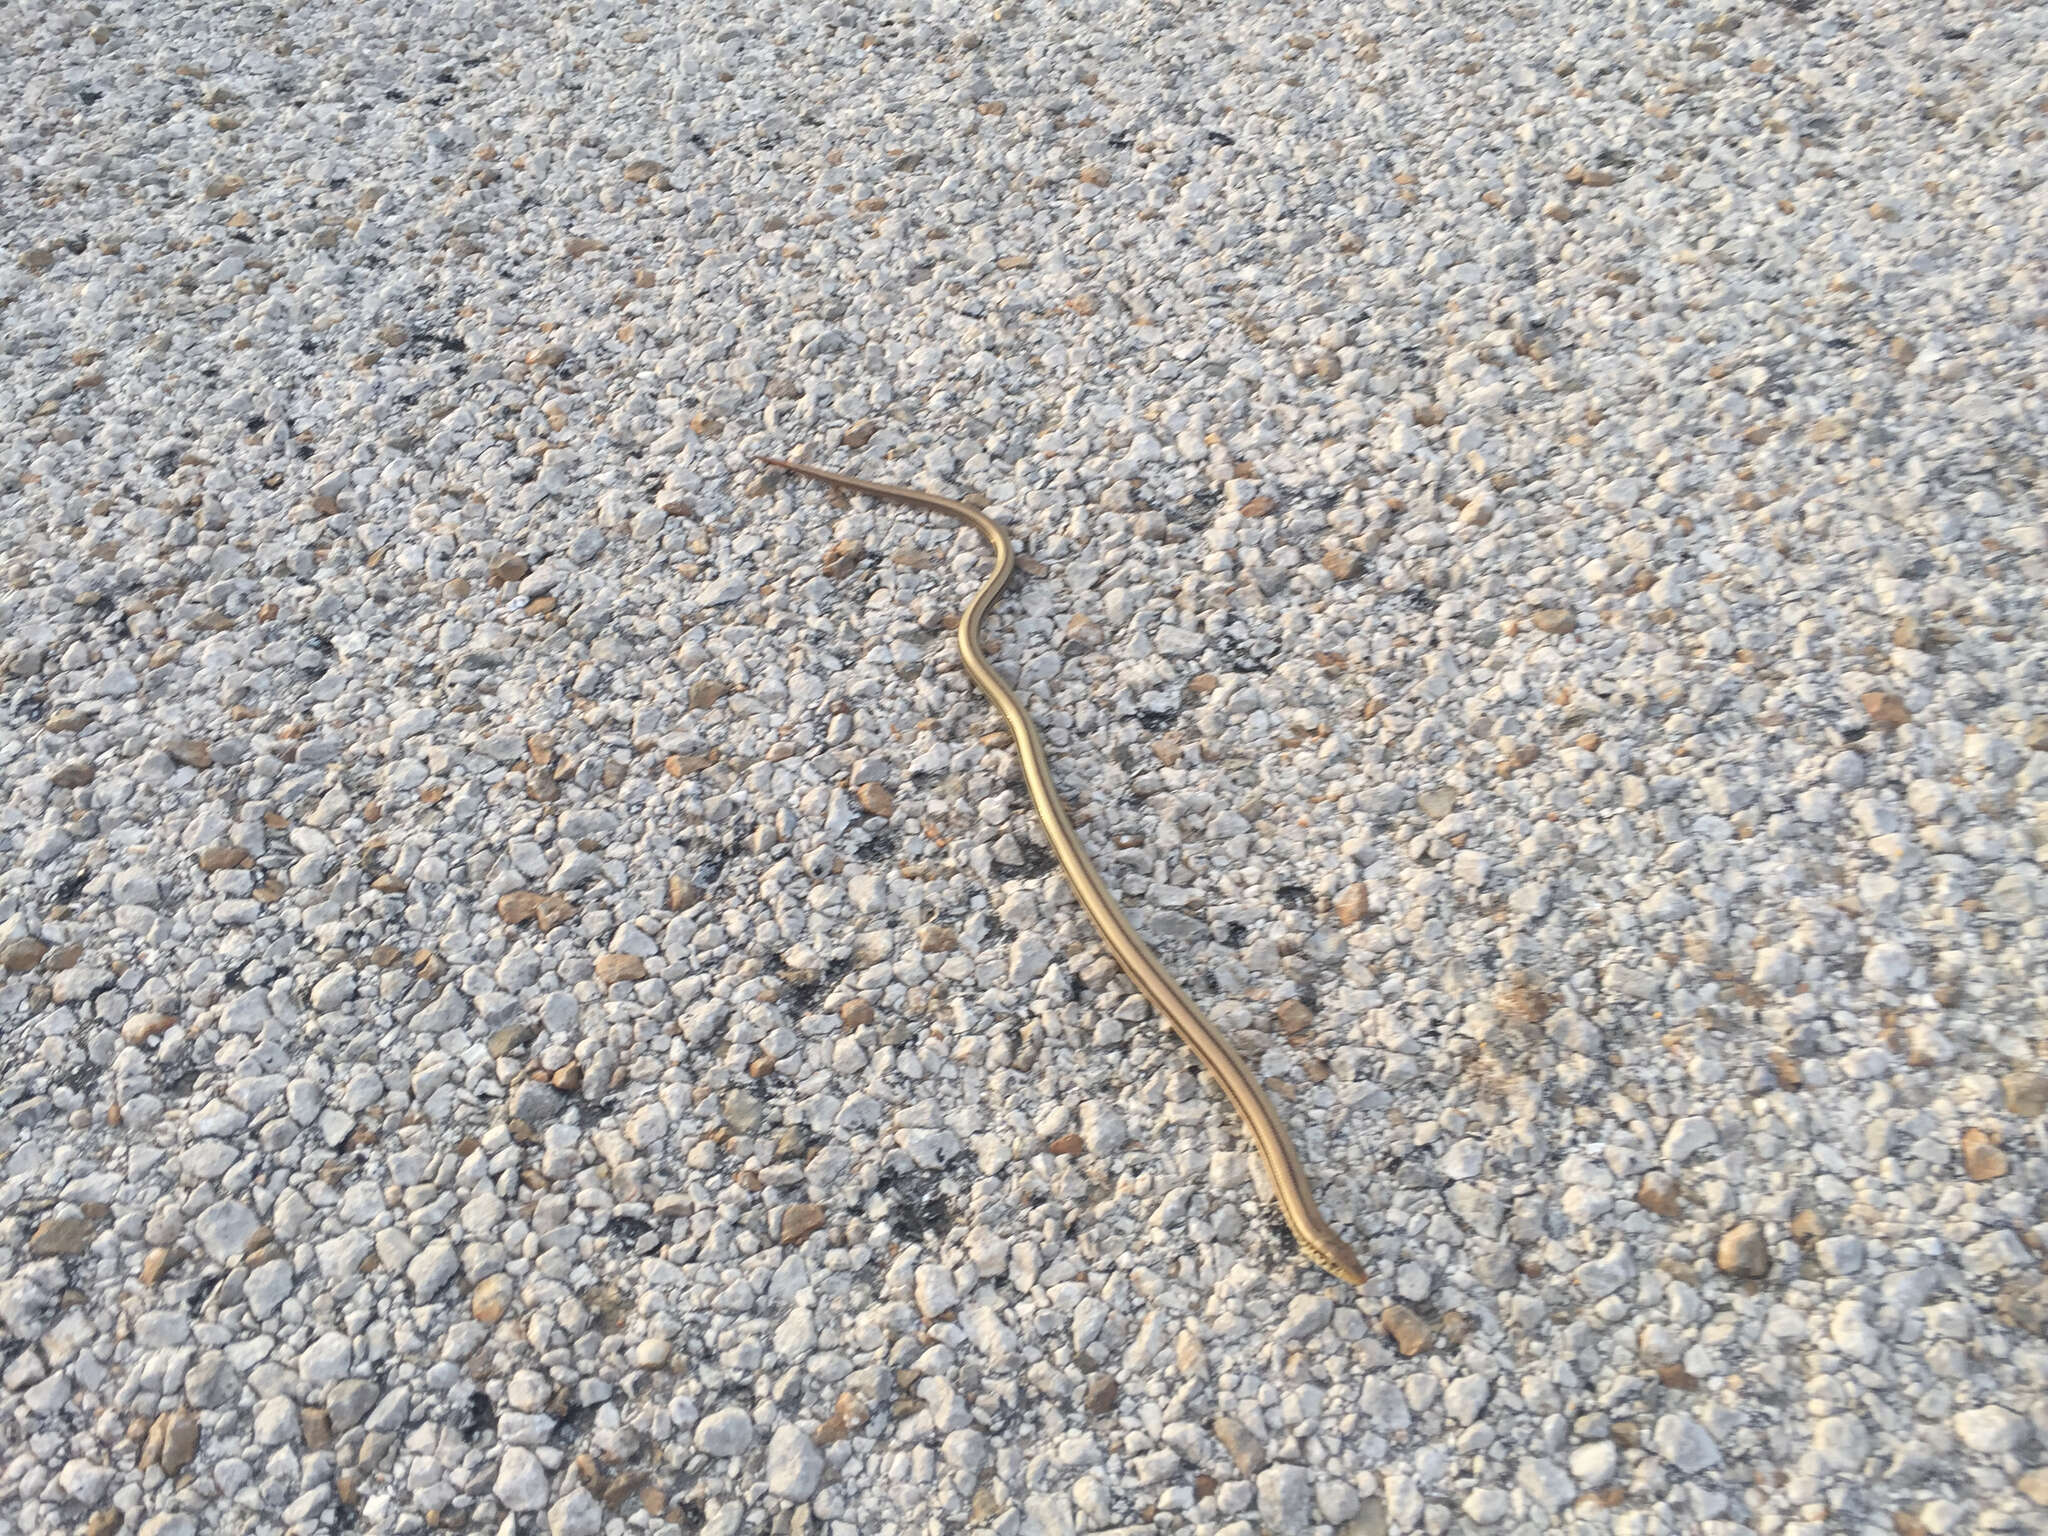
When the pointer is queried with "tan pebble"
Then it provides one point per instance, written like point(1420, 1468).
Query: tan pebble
point(553, 912)
point(103, 1522)
point(682, 894)
point(1246, 1449)
point(1411, 1335)
point(568, 1079)
point(875, 799)
point(1886, 710)
point(516, 907)
point(937, 939)
point(856, 1013)
point(1743, 1251)
point(315, 1428)
point(642, 171)
point(842, 558)
point(1982, 1158)
point(1554, 621)
point(800, 1221)
point(1341, 563)
point(75, 774)
point(2034, 1485)
point(1083, 633)
point(1068, 1145)
point(493, 1294)
point(617, 968)
point(1354, 904)
point(67, 720)
point(1293, 1015)
point(190, 751)
point(1808, 1227)
point(212, 859)
point(1102, 1393)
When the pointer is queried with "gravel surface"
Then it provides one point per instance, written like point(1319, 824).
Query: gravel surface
point(532, 999)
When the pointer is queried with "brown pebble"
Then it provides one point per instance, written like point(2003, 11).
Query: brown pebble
point(67, 720)
point(616, 968)
point(2026, 1093)
point(315, 1428)
point(875, 799)
point(1743, 1251)
point(706, 692)
point(190, 751)
point(1658, 1193)
point(1293, 1015)
point(103, 1522)
point(1411, 1335)
point(157, 1263)
point(181, 1441)
point(21, 954)
point(1354, 904)
point(1341, 563)
point(937, 939)
point(856, 1013)
point(1554, 621)
point(1101, 1394)
point(218, 858)
point(800, 1221)
point(1677, 1378)
point(1068, 1145)
point(1982, 1158)
point(1807, 1227)
point(682, 894)
point(568, 1079)
point(1886, 710)
point(553, 912)
point(507, 569)
point(75, 774)
point(61, 1236)
point(842, 558)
